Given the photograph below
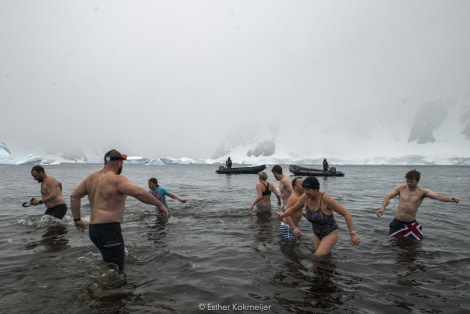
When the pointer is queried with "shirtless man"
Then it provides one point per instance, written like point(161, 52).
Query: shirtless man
point(411, 196)
point(51, 193)
point(285, 186)
point(107, 191)
point(289, 223)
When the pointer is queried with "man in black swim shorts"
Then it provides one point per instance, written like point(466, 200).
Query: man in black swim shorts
point(51, 193)
point(107, 191)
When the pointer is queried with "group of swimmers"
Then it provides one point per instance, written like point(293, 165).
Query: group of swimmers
point(303, 198)
point(107, 191)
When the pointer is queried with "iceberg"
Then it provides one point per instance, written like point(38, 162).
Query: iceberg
point(137, 160)
point(155, 162)
point(29, 160)
point(5, 155)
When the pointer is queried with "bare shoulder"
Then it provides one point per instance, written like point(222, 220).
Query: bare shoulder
point(401, 187)
point(285, 180)
point(328, 198)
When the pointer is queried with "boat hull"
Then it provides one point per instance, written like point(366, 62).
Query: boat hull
point(241, 170)
point(303, 171)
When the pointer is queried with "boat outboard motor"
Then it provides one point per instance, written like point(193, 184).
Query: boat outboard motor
point(333, 170)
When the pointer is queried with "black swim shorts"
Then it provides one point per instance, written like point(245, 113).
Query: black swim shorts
point(108, 239)
point(57, 211)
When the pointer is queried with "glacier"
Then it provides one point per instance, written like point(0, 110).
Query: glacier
point(438, 133)
point(243, 154)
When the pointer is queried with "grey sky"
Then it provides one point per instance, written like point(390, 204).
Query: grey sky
point(172, 78)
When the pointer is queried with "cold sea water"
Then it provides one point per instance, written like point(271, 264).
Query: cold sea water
point(215, 256)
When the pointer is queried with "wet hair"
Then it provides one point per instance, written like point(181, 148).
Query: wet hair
point(311, 183)
point(155, 181)
point(262, 175)
point(413, 175)
point(295, 180)
point(277, 169)
point(38, 169)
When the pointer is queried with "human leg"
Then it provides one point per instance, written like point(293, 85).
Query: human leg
point(108, 239)
point(325, 245)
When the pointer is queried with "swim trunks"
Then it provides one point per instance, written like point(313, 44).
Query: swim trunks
point(401, 229)
point(264, 208)
point(322, 224)
point(57, 211)
point(286, 232)
point(108, 239)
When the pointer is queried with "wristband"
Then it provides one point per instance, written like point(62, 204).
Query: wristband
point(77, 219)
point(352, 232)
point(40, 202)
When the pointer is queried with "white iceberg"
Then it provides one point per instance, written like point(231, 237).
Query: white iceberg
point(29, 160)
point(155, 162)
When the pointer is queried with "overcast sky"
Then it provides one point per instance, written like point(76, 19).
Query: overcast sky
point(172, 78)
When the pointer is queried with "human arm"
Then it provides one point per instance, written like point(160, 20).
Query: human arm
point(440, 197)
point(175, 197)
point(258, 197)
point(387, 199)
point(332, 204)
point(276, 192)
point(127, 188)
point(75, 203)
point(289, 211)
point(48, 192)
point(290, 222)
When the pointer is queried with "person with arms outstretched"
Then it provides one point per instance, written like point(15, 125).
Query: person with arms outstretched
point(161, 193)
point(107, 191)
point(410, 198)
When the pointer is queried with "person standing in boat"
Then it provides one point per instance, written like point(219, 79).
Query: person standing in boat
point(262, 203)
point(319, 208)
point(325, 165)
point(228, 163)
point(161, 193)
point(285, 186)
point(410, 197)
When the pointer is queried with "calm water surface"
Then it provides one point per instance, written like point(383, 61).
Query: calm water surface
point(215, 256)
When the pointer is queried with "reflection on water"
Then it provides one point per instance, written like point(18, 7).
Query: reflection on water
point(263, 224)
point(407, 250)
point(53, 239)
point(109, 291)
point(157, 232)
point(316, 282)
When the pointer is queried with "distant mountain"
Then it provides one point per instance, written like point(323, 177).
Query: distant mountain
point(438, 132)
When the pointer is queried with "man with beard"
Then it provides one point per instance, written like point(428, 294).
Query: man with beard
point(107, 191)
point(51, 193)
